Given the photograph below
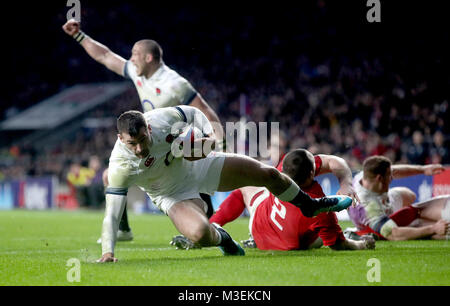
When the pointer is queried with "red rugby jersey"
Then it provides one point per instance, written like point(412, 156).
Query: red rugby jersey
point(279, 225)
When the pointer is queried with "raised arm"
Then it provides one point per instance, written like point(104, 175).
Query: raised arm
point(339, 167)
point(96, 50)
point(399, 171)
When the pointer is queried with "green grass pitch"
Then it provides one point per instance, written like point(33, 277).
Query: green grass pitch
point(35, 248)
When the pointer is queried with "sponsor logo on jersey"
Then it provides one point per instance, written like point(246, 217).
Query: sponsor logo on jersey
point(158, 91)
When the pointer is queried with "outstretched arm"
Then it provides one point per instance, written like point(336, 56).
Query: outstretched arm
point(96, 50)
point(368, 243)
point(399, 171)
point(339, 167)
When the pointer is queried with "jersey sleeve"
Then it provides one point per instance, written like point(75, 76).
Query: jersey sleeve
point(183, 91)
point(318, 162)
point(280, 163)
point(195, 117)
point(129, 71)
point(118, 178)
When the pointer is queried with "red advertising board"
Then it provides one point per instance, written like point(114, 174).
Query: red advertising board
point(441, 183)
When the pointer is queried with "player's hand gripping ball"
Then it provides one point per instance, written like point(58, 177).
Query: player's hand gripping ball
point(189, 144)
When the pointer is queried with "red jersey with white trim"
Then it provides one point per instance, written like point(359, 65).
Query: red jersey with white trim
point(278, 225)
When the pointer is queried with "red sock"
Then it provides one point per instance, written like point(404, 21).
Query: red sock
point(231, 208)
point(405, 216)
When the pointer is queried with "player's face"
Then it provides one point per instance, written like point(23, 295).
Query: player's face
point(140, 144)
point(386, 181)
point(138, 59)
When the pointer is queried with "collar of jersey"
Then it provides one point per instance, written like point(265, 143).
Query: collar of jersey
point(157, 72)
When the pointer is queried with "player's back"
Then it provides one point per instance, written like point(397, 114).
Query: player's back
point(278, 225)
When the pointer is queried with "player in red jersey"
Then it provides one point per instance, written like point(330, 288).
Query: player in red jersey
point(279, 225)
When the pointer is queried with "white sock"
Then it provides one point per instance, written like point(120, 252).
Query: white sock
point(218, 234)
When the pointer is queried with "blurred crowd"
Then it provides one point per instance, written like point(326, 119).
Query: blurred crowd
point(329, 94)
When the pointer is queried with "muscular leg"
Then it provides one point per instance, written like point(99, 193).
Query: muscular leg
point(191, 221)
point(433, 208)
point(401, 197)
point(240, 171)
point(408, 196)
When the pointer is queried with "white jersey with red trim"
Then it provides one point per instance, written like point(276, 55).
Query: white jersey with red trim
point(160, 173)
point(164, 88)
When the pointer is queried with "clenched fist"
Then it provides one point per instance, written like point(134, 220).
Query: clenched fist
point(71, 27)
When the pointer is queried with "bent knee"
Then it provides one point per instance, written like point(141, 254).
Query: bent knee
point(199, 233)
point(389, 230)
point(408, 196)
point(404, 194)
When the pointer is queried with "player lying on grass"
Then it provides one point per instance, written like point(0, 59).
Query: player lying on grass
point(276, 224)
point(388, 212)
point(145, 154)
point(157, 85)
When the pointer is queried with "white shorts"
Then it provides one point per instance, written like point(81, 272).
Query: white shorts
point(205, 179)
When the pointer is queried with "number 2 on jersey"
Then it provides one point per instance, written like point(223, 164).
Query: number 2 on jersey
point(280, 210)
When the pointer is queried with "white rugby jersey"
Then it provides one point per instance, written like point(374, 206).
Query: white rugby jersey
point(159, 174)
point(376, 205)
point(164, 88)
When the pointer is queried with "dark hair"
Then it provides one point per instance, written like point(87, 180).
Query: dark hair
point(375, 165)
point(298, 165)
point(152, 47)
point(131, 122)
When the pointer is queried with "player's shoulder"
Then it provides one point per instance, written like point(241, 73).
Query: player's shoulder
point(170, 114)
point(122, 158)
point(172, 79)
point(129, 70)
point(166, 70)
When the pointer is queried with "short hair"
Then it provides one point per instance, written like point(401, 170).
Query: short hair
point(375, 165)
point(152, 47)
point(298, 165)
point(131, 122)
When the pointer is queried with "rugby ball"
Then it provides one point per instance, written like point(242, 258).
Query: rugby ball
point(185, 145)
